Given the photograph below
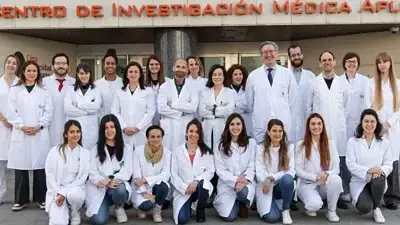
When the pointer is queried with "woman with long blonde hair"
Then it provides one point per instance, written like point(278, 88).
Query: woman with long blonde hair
point(382, 95)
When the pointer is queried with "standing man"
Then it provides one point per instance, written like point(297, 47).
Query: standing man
point(271, 93)
point(58, 84)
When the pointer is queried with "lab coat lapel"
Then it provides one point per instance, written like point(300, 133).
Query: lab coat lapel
point(197, 158)
point(174, 91)
point(184, 89)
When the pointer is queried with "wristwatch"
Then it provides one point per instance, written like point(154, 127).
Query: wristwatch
point(41, 127)
point(111, 177)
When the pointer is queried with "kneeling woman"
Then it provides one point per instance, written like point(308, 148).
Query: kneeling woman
point(317, 169)
point(191, 171)
point(110, 170)
point(234, 164)
point(67, 169)
point(369, 160)
point(151, 172)
point(275, 174)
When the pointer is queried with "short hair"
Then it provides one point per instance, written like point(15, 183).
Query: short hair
point(154, 127)
point(276, 47)
point(292, 47)
point(53, 61)
point(350, 55)
point(326, 52)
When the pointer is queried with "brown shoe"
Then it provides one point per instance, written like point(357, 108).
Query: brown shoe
point(243, 211)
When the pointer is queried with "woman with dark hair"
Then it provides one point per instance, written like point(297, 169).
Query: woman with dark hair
point(369, 161)
point(82, 103)
point(30, 112)
point(67, 169)
point(317, 169)
point(110, 170)
point(234, 164)
point(275, 174)
point(191, 171)
point(217, 102)
point(134, 105)
point(20, 61)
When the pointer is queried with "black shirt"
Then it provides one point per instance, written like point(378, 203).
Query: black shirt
point(155, 82)
point(111, 150)
point(179, 87)
point(236, 87)
point(328, 82)
point(29, 88)
point(85, 88)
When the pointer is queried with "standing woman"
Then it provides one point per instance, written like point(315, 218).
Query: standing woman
point(134, 105)
point(82, 103)
point(275, 174)
point(196, 72)
point(234, 164)
point(317, 169)
point(109, 173)
point(369, 161)
point(8, 80)
point(67, 169)
point(191, 171)
point(30, 111)
point(217, 102)
point(382, 95)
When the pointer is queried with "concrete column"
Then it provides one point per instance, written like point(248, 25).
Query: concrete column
point(173, 43)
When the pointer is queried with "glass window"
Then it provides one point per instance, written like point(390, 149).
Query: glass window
point(92, 64)
point(208, 62)
point(250, 62)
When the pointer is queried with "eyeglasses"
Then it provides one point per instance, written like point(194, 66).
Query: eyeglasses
point(352, 61)
point(266, 52)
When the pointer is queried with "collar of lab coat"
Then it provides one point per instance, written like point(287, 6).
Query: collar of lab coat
point(128, 90)
point(196, 156)
point(83, 159)
point(79, 91)
point(15, 81)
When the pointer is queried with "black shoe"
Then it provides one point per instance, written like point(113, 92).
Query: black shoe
point(254, 206)
point(128, 205)
point(391, 205)
point(342, 204)
point(294, 207)
point(200, 215)
point(166, 204)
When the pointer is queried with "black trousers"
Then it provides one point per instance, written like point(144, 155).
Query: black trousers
point(392, 194)
point(371, 196)
point(21, 189)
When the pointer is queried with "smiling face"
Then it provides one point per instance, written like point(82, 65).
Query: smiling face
point(296, 57)
point(31, 74)
point(110, 66)
point(235, 127)
point(10, 65)
point(61, 66)
point(73, 135)
point(369, 124)
point(110, 130)
point(155, 138)
point(83, 76)
point(327, 62)
point(133, 74)
point(180, 68)
point(194, 67)
point(218, 77)
point(384, 66)
point(316, 126)
point(275, 134)
point(193, 134)
point(268, 55)
point(154, 67)
point(237, 77)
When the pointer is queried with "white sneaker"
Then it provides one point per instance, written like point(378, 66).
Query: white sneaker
point(286, 219)
point(141, 214)
point(311, 213)
point(378, 217)
point(75, 218)
point(121, 215)
point(346, 197)
point(157, 214)
point(332, 216)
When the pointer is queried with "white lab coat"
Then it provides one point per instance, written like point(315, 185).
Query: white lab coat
point(242, 109)
point(213, 125)
point(268, 102)
point(265, 170)
point(184, 173)
point(85, 109)
point(200, 84)
point(176, 111)
point(331, 105)
point(241, 162)
point(59, 118)
point(387, 113)
point(134, 110)
point(355, 100)
point(5, 133)
point(360, 158)
point(98, 172)
point(154, 174)
point(107, 92)
point(29, 109)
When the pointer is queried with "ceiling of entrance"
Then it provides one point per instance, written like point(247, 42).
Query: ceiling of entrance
point(205, 34)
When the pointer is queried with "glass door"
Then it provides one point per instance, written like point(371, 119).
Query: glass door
point(92, 62)
point(222, 59)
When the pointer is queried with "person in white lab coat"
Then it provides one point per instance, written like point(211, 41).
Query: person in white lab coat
point(192, 167)
point(151, 173)
point(30, 112)
point(58, 84)
point(110, 170)
point(8, 80)
point(382, 95)
point(134, 105)
point(109, 83)
point(275, 174)
point(369, 161)
point(196, 76)
point(82, 103)
point(67, 169)
point(317, 169)
point(271, 93)
point(234, 164)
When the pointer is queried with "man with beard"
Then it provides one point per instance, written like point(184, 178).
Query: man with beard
point(58, 84)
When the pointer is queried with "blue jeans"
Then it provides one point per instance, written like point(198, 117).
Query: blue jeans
point(161, 192)
point(241, 198)
point(283, 190)
point(117, 197)
point(201, 196)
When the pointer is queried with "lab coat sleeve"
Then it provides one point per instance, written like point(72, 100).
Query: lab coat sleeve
point(94, 173)
point(387, 164)
point(222, 170)
point(228, 106)
point(51, 170)
point(176, 180)
point(165, 172)
point(209, 171)
point(69, 109)
point(93, 106)
point(368, 98)
point(355, 169)
point(148, 116)
point(310, 98)
point(250, 93)
point(162, 104)
point(291, 170)
point(300, 157)
point(205, 109)
point(47, 115)
point(12, 110)
point(335, 161)
point(261, 167)
point(241, 103)
point(116, 109)
point(137, 172)
point(292, 92)
point(187, 106)
point(251, 167)
point(345, 101)
point(394, 119)
point(126, 171)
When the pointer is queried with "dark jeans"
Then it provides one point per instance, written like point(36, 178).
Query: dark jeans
point(21, 188)
point(392, 194)
point(161, 192)
point(201, 196)
point(371, 196)
point(241, 197)
point(345, 175)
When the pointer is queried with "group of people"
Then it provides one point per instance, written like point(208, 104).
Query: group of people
point(267, 138)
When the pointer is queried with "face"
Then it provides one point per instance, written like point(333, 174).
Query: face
point(193, 134)
point(60, 66)
point(73, 135)
point(351, 65)
point(327, 63)
point(180, 68)
point(369, 124)
point(268, 54)
point(384, 66)
point(316, 126)
point(154, 67)
point(110, 131)
point(11, 65)
point(110, 66)
point(133, 74)
point(31, 73)
point(237, 77)
point(218, 77)
point(194, 67)
point(83, 76)
point(296, 57)
point(275, 133)
point(155, 138)
point(235, 127)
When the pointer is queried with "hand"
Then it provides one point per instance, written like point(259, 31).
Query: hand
point(60, 200)
point(169, 103)
point(104, 183)
point(114, 183)
point(135, 130)
point(239, 187)
point(31, 131)
point(128, 131)
point(321, 178)
point(374, 170)
point(267, 186)
point(191, 188)
point(7, 124)
point(140, 182)
point(386, 126)
point(150, 197)
point(242, 179)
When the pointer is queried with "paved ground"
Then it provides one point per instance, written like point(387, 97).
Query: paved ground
point(34, 216)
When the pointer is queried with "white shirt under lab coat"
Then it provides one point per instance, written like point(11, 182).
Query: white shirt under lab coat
point(386, 113)
point(5, 133)
point(98, 172)
point(59, 118)
point(355, 100)
point(176, 111)
point(107, 92)
point(134, 110)
point(154, 174)
point(242, 109)
point(184, 173)
point(229, 168)
point(84, 108)
point(331, 105)
point(360, 158)
point(268, 102)
point(214, 124)
point(29, 109)
point(265, 169)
